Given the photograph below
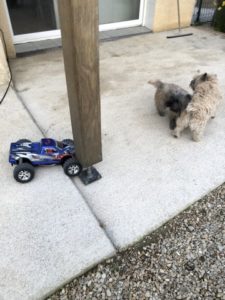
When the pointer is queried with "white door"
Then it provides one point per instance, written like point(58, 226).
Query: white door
point(34, 20)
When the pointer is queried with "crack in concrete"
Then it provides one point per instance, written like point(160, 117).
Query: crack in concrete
point(82, 195)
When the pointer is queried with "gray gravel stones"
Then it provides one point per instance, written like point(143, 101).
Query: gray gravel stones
point(184, 259)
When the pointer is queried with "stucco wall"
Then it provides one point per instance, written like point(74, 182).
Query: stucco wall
point(4, 72)
point(165, 16)
point(5, 27)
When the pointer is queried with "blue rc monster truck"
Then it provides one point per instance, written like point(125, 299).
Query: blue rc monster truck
point(25, 155)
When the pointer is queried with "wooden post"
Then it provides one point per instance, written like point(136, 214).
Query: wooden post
point(79, 27)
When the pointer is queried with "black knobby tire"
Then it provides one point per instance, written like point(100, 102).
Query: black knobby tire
point(23, 172)
point(23, 141)
point(68, 142)
point(72, 167)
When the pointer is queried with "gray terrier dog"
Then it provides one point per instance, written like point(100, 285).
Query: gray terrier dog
point(170, 97)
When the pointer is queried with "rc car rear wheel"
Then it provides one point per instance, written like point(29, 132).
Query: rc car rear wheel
point(72, 167)
point(23, 172)
point(23, 141)
point(68, 142)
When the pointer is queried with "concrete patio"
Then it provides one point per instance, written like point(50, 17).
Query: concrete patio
point(47, 231)
point(148, 176)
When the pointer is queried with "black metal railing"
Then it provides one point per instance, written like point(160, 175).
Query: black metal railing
point(204, 11)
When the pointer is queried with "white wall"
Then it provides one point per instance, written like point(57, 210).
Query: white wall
point(5, 26)
point(165, 15)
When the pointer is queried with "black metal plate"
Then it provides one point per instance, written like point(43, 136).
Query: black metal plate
point(89, 175)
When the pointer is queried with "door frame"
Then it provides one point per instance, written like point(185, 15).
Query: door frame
point(54, 34)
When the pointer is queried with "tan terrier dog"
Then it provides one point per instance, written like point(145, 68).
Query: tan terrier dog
point(203, 106)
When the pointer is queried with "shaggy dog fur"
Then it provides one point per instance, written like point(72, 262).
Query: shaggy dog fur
point(205, 101)
point(170, 97)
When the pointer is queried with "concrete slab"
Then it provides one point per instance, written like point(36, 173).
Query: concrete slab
point(47, 233)
point(148, 176)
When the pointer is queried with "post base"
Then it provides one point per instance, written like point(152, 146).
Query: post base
point(89, 175)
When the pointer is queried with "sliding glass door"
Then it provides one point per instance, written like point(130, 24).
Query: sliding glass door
point(32, 16)
point(33, 19)
point(115, 14)
point(39, 19)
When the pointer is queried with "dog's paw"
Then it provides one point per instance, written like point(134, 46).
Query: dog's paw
point(196, 138)
point(175, 134)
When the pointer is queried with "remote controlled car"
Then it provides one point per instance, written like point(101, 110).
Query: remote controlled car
point(26, 155)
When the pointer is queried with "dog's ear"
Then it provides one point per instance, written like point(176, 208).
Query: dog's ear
point(174, 104)
point(204, 77)
point(170, 101)
point(176, 107)
point(188, 97)
point(192, 84)
point(185, 103)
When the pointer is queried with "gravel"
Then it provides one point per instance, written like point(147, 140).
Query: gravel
point(184, 259)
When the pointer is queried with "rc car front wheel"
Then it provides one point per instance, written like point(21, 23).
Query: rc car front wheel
point(24, 172)
point(72, 167)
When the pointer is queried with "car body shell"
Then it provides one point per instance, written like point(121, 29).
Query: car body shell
point(46, 152)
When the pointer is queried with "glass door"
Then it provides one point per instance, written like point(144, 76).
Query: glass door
point(115, 14)
point(34, 20)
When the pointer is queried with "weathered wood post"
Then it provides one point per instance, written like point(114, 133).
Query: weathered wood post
point(79, 28)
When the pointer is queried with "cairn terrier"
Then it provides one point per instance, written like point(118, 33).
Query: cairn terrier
point(172, 98)
point(205, 100)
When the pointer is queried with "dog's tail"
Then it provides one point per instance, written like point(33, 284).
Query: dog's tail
point(156, 83)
